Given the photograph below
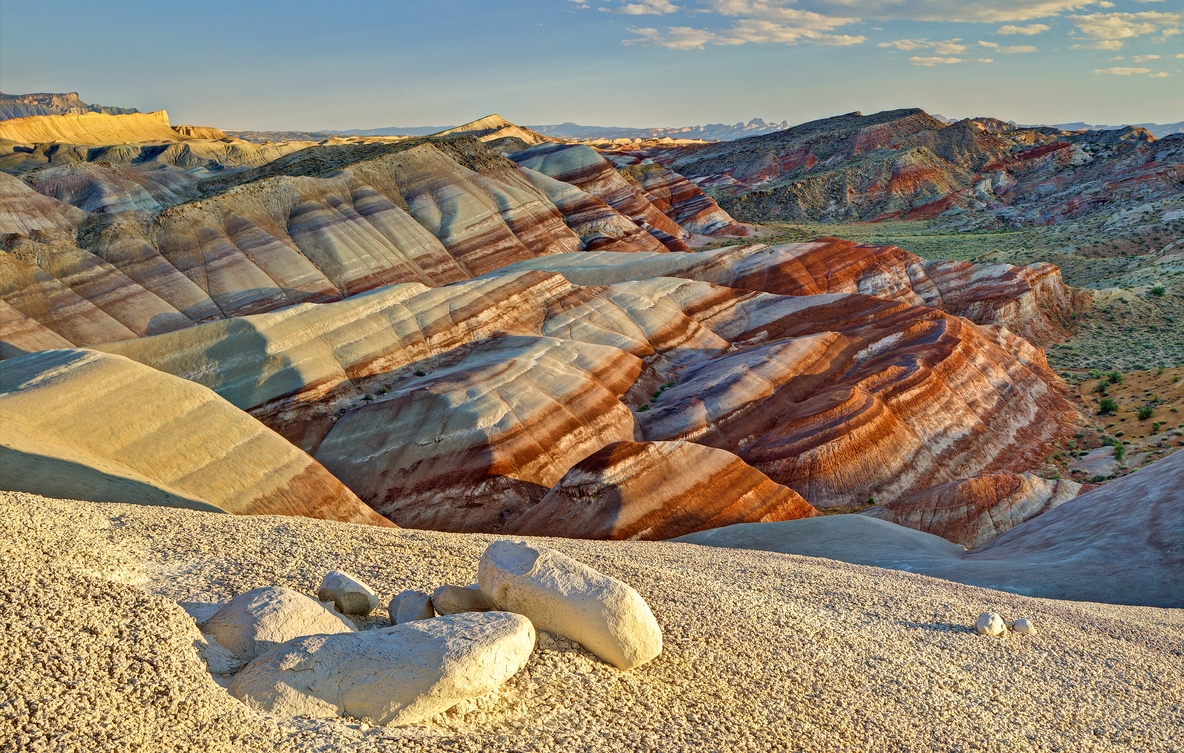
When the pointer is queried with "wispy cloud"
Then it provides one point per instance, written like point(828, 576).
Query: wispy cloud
point(1121, 71)
point(929, 62)
point(752, 22)
point(1161, 74)
point(644, 8)
point(975, 11)
point(743, 32)
point(946, 47)
point(1028, 31)
point(1008, 50)
point(1144, 58)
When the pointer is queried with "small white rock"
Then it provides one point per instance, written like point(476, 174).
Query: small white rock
point(263, 618)
point(457, 599)
point(410, 606)
point(990, 623)
point(567, 597)
point(395, 675)
point(1023, 627)
point(351, 595)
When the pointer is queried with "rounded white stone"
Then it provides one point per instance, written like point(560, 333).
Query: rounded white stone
point(990, 623)
point(561, 595)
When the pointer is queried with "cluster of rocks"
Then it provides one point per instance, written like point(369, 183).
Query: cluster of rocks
point(991, 623)
point(283, 652)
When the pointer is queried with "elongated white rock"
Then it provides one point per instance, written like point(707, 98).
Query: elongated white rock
point(564, 596)
point(263, 618)
point(390, 676)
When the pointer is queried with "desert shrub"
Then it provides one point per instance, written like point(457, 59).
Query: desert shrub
point(643, 408)
point(1119, 452)
point(1115, 377)
point(1155, 427)
point(1145, 412)
point(1107, 406)
point(1158, 291)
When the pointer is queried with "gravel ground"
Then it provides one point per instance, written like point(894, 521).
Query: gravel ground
point(763, 651)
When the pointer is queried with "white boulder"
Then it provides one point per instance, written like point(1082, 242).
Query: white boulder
point(259, 620)
point(457, 599)
point(563, 596)
point(409, 606)
point(1023, 627)
point(990, 623)
point(351, 595)
point(395, 675)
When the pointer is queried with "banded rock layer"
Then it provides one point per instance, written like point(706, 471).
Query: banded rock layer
point(976, 510)
point(460, 408)
point(92, 426)
point(658, 490)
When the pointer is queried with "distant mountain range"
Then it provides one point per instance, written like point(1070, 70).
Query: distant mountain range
point(25, 105)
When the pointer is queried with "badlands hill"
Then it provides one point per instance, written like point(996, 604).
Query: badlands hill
point(908, 164)
point(490, 331)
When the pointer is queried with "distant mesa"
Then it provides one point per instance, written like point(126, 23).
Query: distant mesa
point(28, 105)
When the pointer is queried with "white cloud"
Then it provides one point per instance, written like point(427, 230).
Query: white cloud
point(986, 60)
point(932, 61)
point(1029, 30)
point(743, 32)
point(1114, 27)
point(978, 11)
point(1180, 56)
point(1121, 71)
point(1009, 50)
point(1103, 44)
point(755, 22)
point(1161, 74)
point(645, 8)
point(1144, 58)
point(947, 47)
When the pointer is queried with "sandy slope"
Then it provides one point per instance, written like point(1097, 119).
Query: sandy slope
point(763, 651)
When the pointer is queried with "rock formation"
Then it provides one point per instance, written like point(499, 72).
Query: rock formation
point(1070, 552)
point(86, 425)
point(90, 128)
point(584, 168)
point(657, 490)
point(976, 510)
point(256, 621)
point(560, 595)
point(390, 676)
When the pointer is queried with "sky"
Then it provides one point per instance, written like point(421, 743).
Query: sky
point(370, 63)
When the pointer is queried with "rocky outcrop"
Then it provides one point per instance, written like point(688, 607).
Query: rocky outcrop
point(90, 128)
point(46, 103)
point(390, 676)
point(558, 594)
point(657, 490)
point(1033, 300)
point(976, 510)
point(599, 226)
point(85, 425)
point(584, 168)
point(676, 197)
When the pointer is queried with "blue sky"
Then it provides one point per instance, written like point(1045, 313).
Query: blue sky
point(367, 64)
